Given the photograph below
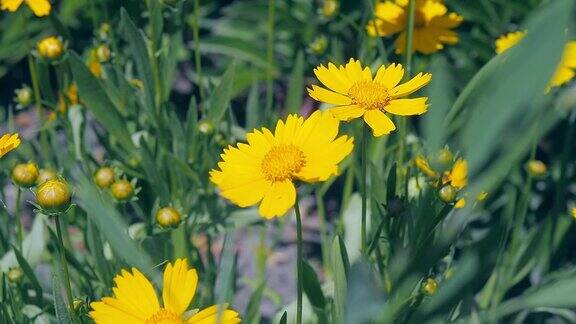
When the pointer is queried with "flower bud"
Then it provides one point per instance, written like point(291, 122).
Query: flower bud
point(77, 304)
point(482, 196)
point(103, 53)
point(318, 45)
point(122, 190)
point(15, 274)
point(51, 47)
point(573, 213)
point(445, 156)
point(461, 203)
point(536, 168)
point(104, 177)
point(104, 30)
point(205, 127)
point(168, 217)
point(24, 96)
point(429, 287)
point(423, 165)
point(25, 174)
point(46, 175)
point(447, 194)
point(53, 196)
point(329, 8)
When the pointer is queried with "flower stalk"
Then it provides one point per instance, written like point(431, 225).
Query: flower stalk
point(19, 228)
point(61, 251)
point(299, 260)
point(364, 184)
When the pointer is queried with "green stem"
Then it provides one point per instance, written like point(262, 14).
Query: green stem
point(261, 255)
point(19, 228)
point(323, 230)
point(402, 127)
point(364, 184)
point(196, 38)
point(36, 89)
point(62, 253)
point(299, 261)
point(270, 57)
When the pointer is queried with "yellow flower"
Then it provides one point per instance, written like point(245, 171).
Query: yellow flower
point(135, 301)
point(536, 168)
point(458, 176)
point(53, 196)
point(565, 70)
point(432, 27)
point(573, 213)
point(504, 42)
point(422, 164)
point(429, 287)
point(355, 93)
point(460, 203)
point(264, 169)
point(39, 7)
point(50, 47)
point(8, 142)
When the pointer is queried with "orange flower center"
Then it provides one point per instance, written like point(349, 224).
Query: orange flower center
point(164, 316)
point(369, 95)
point(282, 162)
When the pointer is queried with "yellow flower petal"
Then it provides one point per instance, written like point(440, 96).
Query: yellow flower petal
point(322, 163)
point(277, 201)
point(210, 316)
point(110, 311)
point(504, 42)
point(389, 76)
point(459, 174)
point(569, 56)
point(179, 286)
point(346, 112)
point(415, 84)
point(379, 122)
point(461, 203)
point(355, 73)
point(10, 5)
point(8, 142)
point(561, 76)
point(407, 107)
point(328, 96)
point(39, 7)
point(332, 78)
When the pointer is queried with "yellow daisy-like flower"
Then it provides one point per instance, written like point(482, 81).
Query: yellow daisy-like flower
point(458, 175)
point(565, 70)
point(50, 47)
point(8, 142)
point(504, 42)
point(40, 8)
point(422, 164)
point(135, 300)
point(432, 29)
point(263, 171)
point(356, 93)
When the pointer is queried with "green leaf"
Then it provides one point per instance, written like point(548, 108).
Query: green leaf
point(220, 98)
point(225, 278)
point(101, 210)
point(338, 267)
point(96, 100)
point(505, 91)
point(139, 50)
point(284, 318)
point(296, 86)
point(253, 108)
point(29, 273)
point(60, 307)
point(314, 292)
point(253, 308)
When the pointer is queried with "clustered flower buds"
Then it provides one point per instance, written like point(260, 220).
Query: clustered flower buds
point(168, 217)
point(104, 177)
point(25, 174)
point(51, 47)
point(53, 196)
point(122, 190)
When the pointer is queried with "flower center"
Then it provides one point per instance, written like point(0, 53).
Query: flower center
point(369, 95)
point(282, 162)
point(164, 316)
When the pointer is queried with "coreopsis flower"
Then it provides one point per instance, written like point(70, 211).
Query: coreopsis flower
point(504, 42)
point(40, 8)
point(135, 301)
point(8, 142)
point(565, 71)
point(50, 47)
point(355, 93)
point(264, 170)
point(432, 27)
point(458, 175)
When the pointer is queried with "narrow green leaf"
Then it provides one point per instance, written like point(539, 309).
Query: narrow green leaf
point(96, 100)
point(338, 267)
point(60, 307)
point(296, 86)
point(284, 318)
point(314, 292)
point(29, 273)
point(220, 98)
point(253, 308)
point(253, 108)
